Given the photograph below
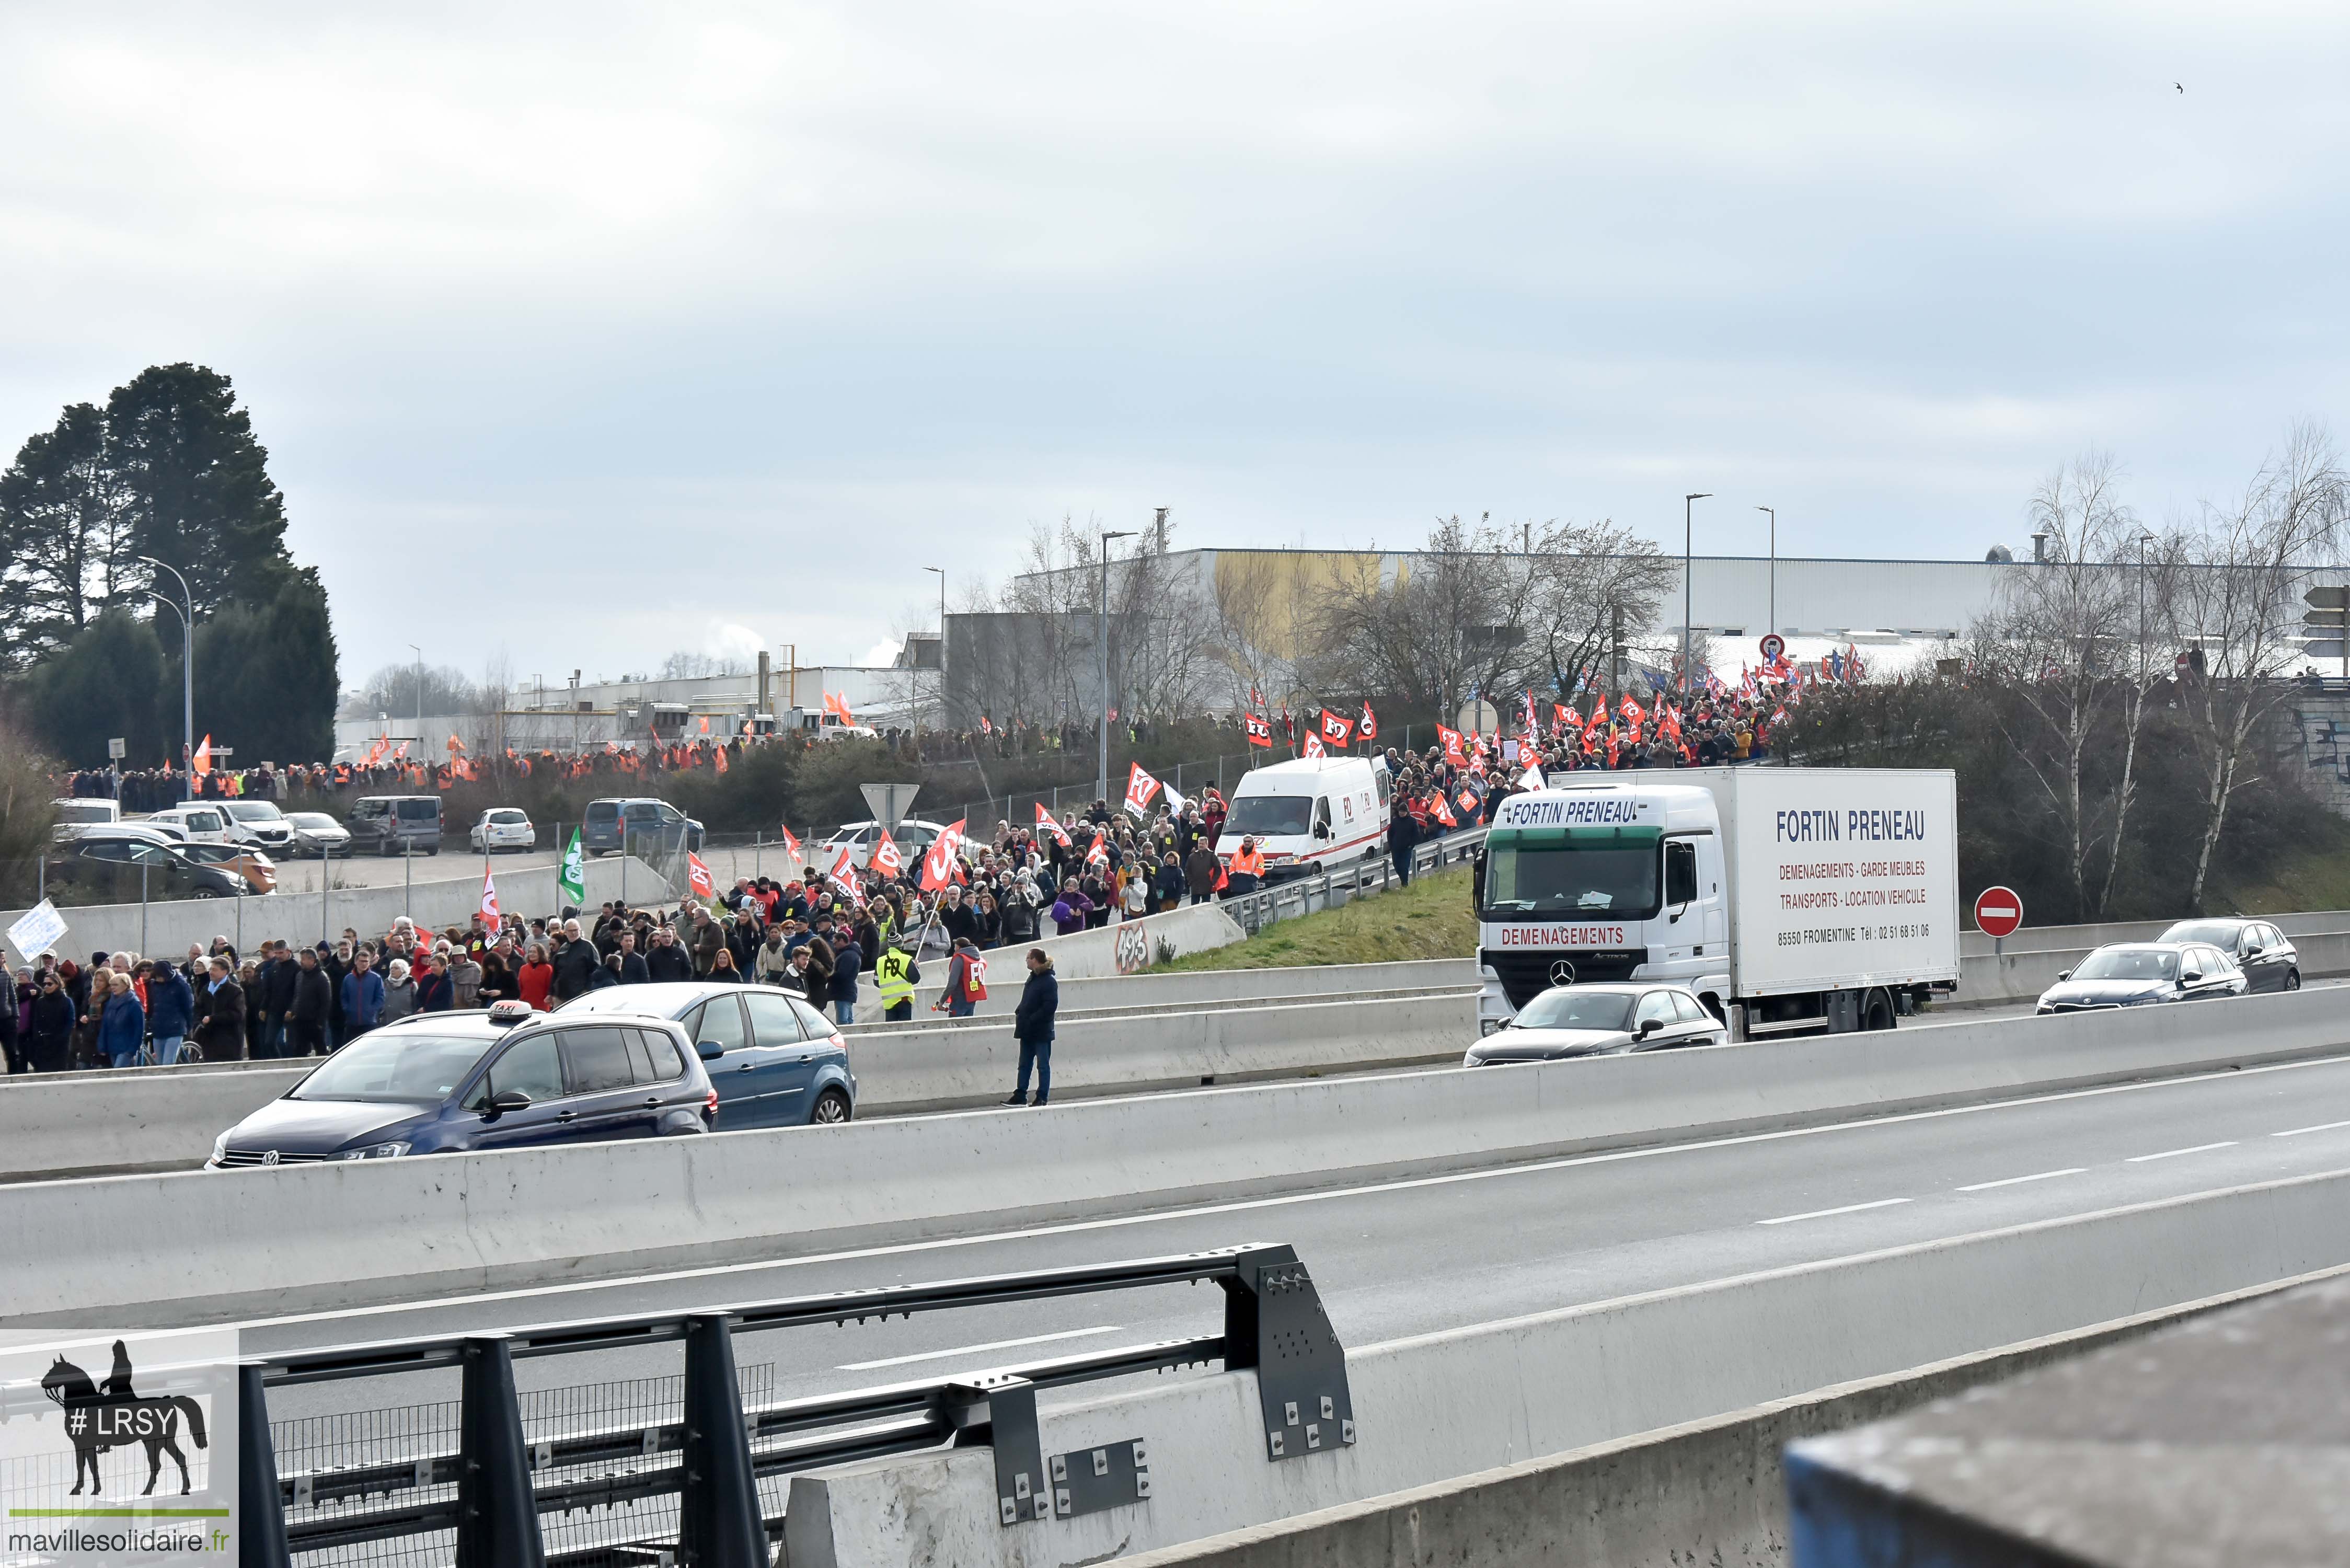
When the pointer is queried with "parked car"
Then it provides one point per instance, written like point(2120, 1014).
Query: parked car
point(913, 836)
point(639, 823)
point(79, 812)
point(2135, 974)
point(1606, 1019)
point(259, 871)
point(2266, 955)
point(260, 824)
point(449, 1082)
point(504, 828)
point(775, 1060)
point(316, 833)
point(395, 823)
point(126, 864)
point(191, 822)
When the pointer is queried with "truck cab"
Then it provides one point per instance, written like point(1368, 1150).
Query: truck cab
point(1614, 882)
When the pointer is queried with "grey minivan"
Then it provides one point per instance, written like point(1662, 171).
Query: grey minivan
point(394, 823)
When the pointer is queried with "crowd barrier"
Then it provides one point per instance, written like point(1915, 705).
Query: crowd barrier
point(345, 1233)
point(1454, 1431)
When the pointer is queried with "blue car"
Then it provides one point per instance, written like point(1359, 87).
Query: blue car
point(450, 1083)
point(776, 1062)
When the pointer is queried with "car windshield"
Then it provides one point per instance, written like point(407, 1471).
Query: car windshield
point(1280, 815)
point(312, 820)
point(2129, 963)
point(254, 811)
point(396, 1068)
point(80, 813)
point(1570, 1009)
point(1572, 880)
point(2219, 933)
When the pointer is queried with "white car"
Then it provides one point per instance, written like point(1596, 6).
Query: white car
point(260, 824)
point(504, 828)
point(913, 837)
point(78, 814)
point(316, 833)
point(1609, 1019)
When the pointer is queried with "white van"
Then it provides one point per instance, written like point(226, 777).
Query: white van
point(78, 814)
point(197, 822)
point(1313, 812)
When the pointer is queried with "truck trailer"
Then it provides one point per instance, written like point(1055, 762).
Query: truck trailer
point(1792, 900)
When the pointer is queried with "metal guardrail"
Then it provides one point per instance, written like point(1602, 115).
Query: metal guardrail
point(1334, 887)
point(486, 1496)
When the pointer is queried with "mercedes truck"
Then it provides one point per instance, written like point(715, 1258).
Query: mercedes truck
point(1792, 900)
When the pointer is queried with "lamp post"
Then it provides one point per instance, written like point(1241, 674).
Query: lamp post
point(941, 572)
point(2144, 539)
point(419, 699)
point(1101, 643)
point(1688, 506)
point(186, 607)
point(1774, 567)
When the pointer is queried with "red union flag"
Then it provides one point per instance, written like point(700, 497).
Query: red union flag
point(942, 865)
point(489, 895)
point(1098, 855)
point(843, 875)
point(1139, 788)
point(838, 706)
point(704, 884)
point(1370, 724)
point(1336, 730)
point(1441, 810)
point(1453, 752)
point(1260, 732)
point(1314, 747)
point(791, 845)
point(1044, 821)
point(888, 859)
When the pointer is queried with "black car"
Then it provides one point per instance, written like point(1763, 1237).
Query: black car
point(639, 823)
point(101, 869)
point(2138, 974)
point(2267, 957)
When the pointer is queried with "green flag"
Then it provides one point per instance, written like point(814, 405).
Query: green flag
point(571, 886)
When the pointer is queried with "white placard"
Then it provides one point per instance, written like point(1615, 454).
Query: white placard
point(39, 930)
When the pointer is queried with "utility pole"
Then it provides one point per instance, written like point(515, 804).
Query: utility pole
point(941, 572)
point(1101, 643)
point(420, 700)
point(186, 607)
point(1773, 625)
point(1688, 505)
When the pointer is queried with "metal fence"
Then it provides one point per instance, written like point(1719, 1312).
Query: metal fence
point(1334, 887)
point(695, 1469)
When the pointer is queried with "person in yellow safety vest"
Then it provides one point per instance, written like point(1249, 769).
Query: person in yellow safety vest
point(896, 974)
point(1247, 869)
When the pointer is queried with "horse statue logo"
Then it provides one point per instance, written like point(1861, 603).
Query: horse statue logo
point(115, 1416)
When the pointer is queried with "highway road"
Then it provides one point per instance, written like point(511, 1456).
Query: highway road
point(1409, 1256)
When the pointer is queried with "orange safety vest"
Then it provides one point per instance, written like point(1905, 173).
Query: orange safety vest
point(1248, 862)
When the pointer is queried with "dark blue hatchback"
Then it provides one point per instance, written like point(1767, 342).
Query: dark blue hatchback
point(449, 1083)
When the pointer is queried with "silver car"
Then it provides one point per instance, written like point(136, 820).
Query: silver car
point(1609, 1019)
point(316, 833)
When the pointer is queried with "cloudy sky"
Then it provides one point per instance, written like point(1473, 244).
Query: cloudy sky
point(581, 334)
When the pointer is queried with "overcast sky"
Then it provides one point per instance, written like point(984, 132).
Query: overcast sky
point(583, 334)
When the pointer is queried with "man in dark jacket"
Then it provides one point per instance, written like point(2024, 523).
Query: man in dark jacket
point(274, 994)
point(576, 963)
point(49, 1045)
point(222, 1007)
point(667, 960)
point(170, 1011)
point(1199, 872)
point(306, 1009)
point(1403, 837)
point(632, 962)
point(1032, 1026)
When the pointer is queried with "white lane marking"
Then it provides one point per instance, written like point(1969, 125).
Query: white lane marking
point(975, 1349)
point(2321, 1127)
point(2017, 1181)
point(1121, 1221)
point(2175, 1153)
point(1824, 1213)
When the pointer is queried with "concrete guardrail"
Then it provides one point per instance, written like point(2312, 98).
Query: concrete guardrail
point(163, 1248)
point(1488, 1402)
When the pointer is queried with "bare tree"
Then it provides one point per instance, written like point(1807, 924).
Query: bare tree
point(2238, 607)
point(1596, 585)
point(1456, 619)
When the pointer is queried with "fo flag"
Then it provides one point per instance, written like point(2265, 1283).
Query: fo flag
point(489, 895)
point(843, 875)
point(1370, 724)
point(888, 859)
point(704, 884)
point(943, 865)
point(571, 882)
point(1260, 732)
point(1314, 747)
point(1336, 730)
point(1453, 752)
point(1139, 789)
point(1044, 821)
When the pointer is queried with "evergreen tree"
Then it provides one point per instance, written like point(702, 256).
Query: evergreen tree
point(196, 483)
point(266, 672)
point(65, 538)
point(107, 682)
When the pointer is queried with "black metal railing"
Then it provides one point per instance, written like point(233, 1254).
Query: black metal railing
point(483, 1502)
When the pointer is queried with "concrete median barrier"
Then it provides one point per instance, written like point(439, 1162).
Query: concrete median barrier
point(1487, 1403)
point(1193, 988)
point(347, 1234)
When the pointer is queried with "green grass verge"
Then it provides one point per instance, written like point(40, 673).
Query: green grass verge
point(1431, 918)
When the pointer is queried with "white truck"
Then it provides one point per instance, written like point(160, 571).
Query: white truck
point(1792, 900)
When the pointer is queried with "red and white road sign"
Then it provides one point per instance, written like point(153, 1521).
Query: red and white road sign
point(1772, 646)
point(1998, 911)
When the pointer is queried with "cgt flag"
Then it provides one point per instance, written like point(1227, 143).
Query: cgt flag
point(1453, 752)
point(571, 882)
point(943, 865)
point(1044, 821)
point(888, 859)
point(698, 876)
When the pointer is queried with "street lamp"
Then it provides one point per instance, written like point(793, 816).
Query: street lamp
point(187, 611)
point(941, 571)
point(1688, 505)
point(1101, 640)
point(420, 700)
point(1774, 567)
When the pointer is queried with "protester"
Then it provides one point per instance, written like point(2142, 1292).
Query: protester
point(1032, 1026)
point(313, 1000)
point(48, 1035)
point(123, 1029)
point(965, 988)
point(221, 1009)
point(362, 993)
point(170, 1010)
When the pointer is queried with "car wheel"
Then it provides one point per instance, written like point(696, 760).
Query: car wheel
point(2292, 979)
point(831, 1109)
point(204, 893)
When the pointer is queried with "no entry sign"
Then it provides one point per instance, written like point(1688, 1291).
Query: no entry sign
point(1998, 911)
